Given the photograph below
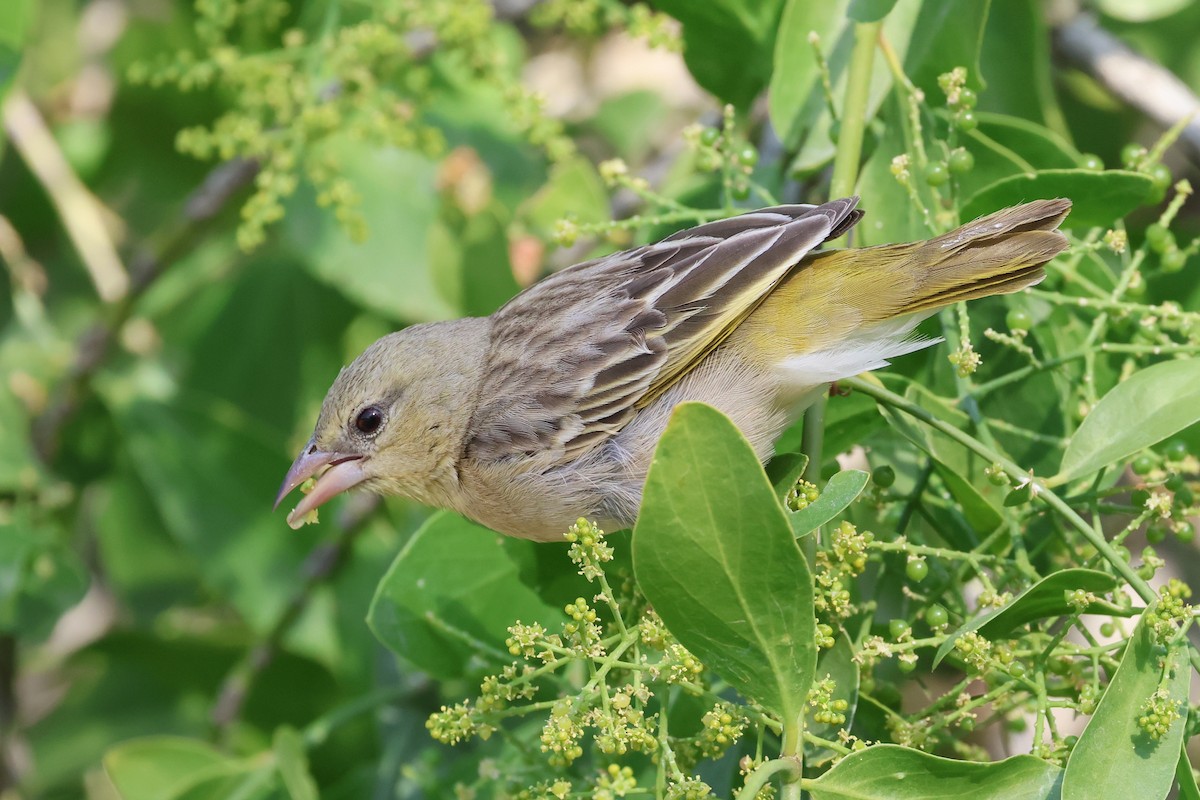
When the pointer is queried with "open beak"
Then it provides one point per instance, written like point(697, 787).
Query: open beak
point(338, 472)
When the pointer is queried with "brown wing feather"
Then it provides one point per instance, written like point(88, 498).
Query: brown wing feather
point(573, 357)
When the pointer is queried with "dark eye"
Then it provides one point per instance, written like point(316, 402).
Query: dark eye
point(369, 420)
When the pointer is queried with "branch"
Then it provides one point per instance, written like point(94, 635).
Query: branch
point(81, 213)
point(321, 565)
point(1136, 80)
point(95, 344)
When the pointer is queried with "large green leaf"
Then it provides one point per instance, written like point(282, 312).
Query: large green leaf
point(715, 555)
point(1098, 198)
point(166, 767)
point(796, 79)
point(1046, 598)
point(1142, 410)
point(715, 29)
point(1115, 759)
point(452, 585)
point(891, 772)
point(1036, 145)
point(869, 10)
point(390, 271)
point(574, 190)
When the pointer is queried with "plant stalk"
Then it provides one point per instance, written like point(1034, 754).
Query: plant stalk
point(845, 176)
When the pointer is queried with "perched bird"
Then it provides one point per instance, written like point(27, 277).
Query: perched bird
point(550, 408)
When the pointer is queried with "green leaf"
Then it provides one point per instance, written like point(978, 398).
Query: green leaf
point(573, 191)
point(1115, 759)
point(1141, 10)
point(714, 30)
point(39, 577)
point(469, 257)
point(784, 470)
point(1098, 198)
point(1037, 145)
point(715, 555)
point(891, 772)
point(796, 79)
point(1045, 599)
point(1186, 778)
point(165, 767)
point(390, 271)
point(292, 761)
point(1142, 410)
point(869, 10)
point(805, 119)
point(837, 663)
point(16, 18)
point(948, 33)
point(452, 587)
point(841, 490)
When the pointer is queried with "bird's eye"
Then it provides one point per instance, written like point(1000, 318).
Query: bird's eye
point(369, 420)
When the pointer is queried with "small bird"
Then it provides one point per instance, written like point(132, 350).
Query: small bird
point(550, 409)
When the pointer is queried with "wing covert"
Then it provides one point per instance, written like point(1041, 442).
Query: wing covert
point(573, 357)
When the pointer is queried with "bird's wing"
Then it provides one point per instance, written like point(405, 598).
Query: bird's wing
point(575, 356)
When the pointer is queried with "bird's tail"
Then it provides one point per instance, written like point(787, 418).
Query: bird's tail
point(1001, 253)
point(850, 310)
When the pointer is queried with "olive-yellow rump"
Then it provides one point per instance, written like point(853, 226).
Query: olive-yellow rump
point(550, 408)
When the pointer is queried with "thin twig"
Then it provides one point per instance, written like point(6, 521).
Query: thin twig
point(95, 344)
point(1139, 82)
point(321, 565)
point(81, 213)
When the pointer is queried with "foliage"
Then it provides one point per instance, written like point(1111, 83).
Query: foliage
point(206, 210)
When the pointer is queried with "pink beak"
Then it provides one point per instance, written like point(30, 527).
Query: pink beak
point(338, 472)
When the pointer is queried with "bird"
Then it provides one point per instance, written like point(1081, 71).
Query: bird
point(550, 409)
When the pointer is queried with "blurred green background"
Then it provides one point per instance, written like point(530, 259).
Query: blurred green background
point(157, 377)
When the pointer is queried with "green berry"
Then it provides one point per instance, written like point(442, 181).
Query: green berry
point(916, 569)
point(936, 173)
point(1092, 162)
point(740, 191)
point(936, 616)
point(884, 477)
point(961, 162)
point(1156, 533)
point(1159, 237)
point(1173, 260)
point(1176, 450)
point(1107, 629)
point(747, 156)
point(966, 121)
point(1131, 154)
point(907, 666)
point(1138, 497)
point(1185, 497)
point(1174, 481)
point(1185, 532)
point(897, 628)
point(1161, 177)
point(1019, 319)
point(1142, 465)
point(967, 98)
point(709, 136)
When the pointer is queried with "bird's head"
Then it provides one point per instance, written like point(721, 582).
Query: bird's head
point(394, 419)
